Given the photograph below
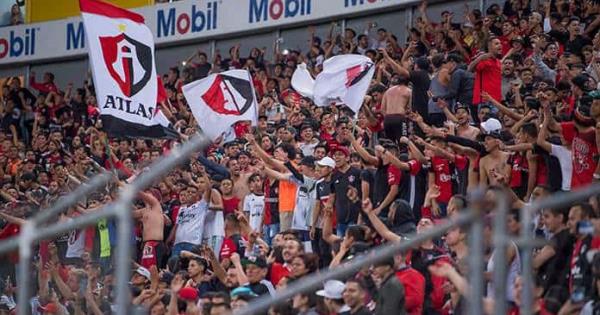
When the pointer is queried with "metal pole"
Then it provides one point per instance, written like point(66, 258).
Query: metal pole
point(123, 251)
point(315, 280)
point(475, 260)
point(23, 272)
point(501, 266)
point(476, 267)
point(527, 260)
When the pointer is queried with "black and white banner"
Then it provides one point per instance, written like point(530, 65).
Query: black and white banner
point(222, 99)
point(345, 79)
point(121, 51)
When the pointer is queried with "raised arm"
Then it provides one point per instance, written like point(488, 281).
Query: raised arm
point(373, 160)
point(505, 110)
point(543, 134)
point(274, 163)
point(379, 226)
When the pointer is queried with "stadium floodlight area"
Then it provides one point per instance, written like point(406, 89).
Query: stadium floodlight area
point(36, 229)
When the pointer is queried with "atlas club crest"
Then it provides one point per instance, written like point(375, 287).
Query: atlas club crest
point(229, 95)
point(129, 62)
point(356, 73)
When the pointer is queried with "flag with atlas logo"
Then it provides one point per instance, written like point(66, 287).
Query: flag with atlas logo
point(121, 51)
point(222, 99)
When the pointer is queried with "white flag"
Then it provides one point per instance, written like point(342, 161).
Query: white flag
point(345, 79)
point(303, 82)
point(221, 99)
point(121, 51)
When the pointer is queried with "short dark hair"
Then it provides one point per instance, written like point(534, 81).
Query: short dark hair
point(587, 211)
point(560, 211)
point(289, 149)
point(530, 129)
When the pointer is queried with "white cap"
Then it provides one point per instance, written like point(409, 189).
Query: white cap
point(326, 161)
point(491, 125)
point(143, 272)
point(333, 289)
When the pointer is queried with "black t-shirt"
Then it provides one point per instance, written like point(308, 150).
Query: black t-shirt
point(361, 311)
point(575, 46)
point(368, 176)
point(555, 271)
point(258, 288)
point(420, 81)
point(346, 211)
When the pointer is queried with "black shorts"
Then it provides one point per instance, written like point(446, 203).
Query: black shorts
point(396, 126)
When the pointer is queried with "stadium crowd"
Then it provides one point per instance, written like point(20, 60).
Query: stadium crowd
point(508, 100)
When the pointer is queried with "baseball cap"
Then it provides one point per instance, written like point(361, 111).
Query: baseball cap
point(242, 291)
point(326, 161)
point(257, 261)
point(143, 272)
point(494, 134)
point(332, 289)
point(28, 176)
point(188, 293)
point(491, 125)
point(342, 149)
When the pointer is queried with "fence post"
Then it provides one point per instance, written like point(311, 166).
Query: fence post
point(123, 262)
point(501, 241)
point(475, 259)
point(23, 272)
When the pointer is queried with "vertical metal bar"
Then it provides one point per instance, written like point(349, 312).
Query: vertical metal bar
point(123, 268)
point(501, 266)
point(476, 267)
point(213, 48)
point(527, 260)
point(23, 272)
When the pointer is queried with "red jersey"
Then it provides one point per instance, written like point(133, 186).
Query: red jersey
point(278, 272)
point(488, 78)
point(414, 288)
point(443, 178)
point(583, 150)
point(229, 205)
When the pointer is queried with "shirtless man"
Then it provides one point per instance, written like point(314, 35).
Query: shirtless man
point(153, 222)
point(396, 104)
point(494, 164)
point(464, 129)
point(240, 188)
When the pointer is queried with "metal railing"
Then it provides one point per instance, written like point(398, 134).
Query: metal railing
point(34, 230)
point(472, 217)
point(120, 210)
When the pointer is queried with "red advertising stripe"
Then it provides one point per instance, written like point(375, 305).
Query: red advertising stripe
point(108, 10)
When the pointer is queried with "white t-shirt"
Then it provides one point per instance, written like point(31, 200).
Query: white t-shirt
point(254, 206)
point(214, 224)
point(76, 244)
point(306, 197)
point(190, 223)
point(565, 160)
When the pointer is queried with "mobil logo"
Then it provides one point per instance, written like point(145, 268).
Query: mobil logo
point(170, 22)
point(18, 43)
point(353, 3)
point(265, 10)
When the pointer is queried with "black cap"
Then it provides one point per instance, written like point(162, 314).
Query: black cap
point(308, 161)
point(257, 261)
point(28, 176)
